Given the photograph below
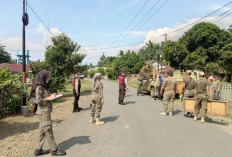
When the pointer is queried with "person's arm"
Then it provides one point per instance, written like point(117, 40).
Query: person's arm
point(101, 92)
point(162, 88)
point(77, 86)
point(175, 88)
point(39, 96)
point(126, 82)
point(208, 92)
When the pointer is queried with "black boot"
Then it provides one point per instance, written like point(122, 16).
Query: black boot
point(76, 110)
point(58, 152)
point(39, 152)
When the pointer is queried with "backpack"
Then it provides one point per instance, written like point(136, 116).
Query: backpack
point(121, 80)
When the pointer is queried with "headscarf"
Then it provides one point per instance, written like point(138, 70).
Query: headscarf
point(96, 77)
point(40, 79)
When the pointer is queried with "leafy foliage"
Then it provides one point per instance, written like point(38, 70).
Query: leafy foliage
point(62, 59)
point(11, 90)
point(4, 55)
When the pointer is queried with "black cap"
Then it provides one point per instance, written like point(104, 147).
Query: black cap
point(170, 73)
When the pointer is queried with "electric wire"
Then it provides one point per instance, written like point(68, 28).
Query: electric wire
point(131, 21)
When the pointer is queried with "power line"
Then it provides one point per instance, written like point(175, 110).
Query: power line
point(169, 32)
point(151, 16)
point(39, 19)
point(131, 21)
point(141, 19)
point(224, 16)
point(200, 19)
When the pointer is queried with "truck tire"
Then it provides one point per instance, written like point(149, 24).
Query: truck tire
point(152, 92)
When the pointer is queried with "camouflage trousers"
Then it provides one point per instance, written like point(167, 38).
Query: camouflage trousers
point(46, 132)
point(189, 94)
point(96, 109)
point(201, 103)
point(139, 87)
point(168, 102)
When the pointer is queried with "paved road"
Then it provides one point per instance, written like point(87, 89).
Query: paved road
point(138, 130)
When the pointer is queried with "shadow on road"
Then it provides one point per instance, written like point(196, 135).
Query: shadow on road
point(130, 102)
point(110, 119)
point(176, 112)
point(87, 108)
point(210, 120)
point(73, 141)
point(128, 95)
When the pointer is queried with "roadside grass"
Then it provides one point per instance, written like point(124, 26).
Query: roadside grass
point(68, 91)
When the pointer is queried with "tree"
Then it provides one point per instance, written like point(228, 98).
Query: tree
point(102, 61)
point(149, 51)
point(175, 53)
point(62, 55)
point(127, 61)
point(204, 42)
point(226, 58)
point(62, 59)
point(4, 55)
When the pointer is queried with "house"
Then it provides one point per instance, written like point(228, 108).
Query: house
point(16, 68)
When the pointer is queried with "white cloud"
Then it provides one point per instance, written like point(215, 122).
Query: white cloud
point(36, 44)
point(154, 36)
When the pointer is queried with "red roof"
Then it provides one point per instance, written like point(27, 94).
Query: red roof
point(16, 67)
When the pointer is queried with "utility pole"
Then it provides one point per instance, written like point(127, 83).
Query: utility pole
point(25, 23)
point(166, 39)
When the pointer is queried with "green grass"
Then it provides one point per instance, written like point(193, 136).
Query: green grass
point(68, 91)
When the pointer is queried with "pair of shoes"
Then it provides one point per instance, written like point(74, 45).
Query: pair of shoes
point(202, 119)
point(195, 118)
point(39, 152)
point(58, 152)
point(92, 120)
point(76, 110)
point(163, 113)
point(98, 122)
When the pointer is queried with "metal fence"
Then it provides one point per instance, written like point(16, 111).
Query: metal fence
point(226, 92)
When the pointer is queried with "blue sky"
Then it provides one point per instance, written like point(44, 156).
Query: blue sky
point(97, 23)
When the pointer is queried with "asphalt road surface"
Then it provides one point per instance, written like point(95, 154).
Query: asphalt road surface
point(138, 130)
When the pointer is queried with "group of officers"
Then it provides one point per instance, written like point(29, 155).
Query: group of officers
point(166, 88)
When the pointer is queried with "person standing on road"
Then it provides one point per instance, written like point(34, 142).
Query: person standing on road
point(161, 80)
point(168, 90)
point(97, 99)
point(202, 96)
point(189, 86)
point(76, 92)
point(157, 87)
point(44, 110)
point(139, 84)
point(122, 87)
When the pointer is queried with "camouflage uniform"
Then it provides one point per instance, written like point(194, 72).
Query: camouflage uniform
point(201, 97)
point(139, 84)
point(44, 113)
point(169, 86)
point(97, 95)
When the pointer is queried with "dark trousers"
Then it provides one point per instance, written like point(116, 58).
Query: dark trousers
point(76, 99)
point(122, 92)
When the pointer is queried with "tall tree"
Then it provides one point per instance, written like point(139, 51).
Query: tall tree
point(175, 53)
point(149, 51)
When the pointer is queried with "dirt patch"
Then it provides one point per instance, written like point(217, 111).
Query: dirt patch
point(18, 134)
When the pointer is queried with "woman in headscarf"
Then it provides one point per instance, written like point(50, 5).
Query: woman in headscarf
point(43, 97)
point(97, 99)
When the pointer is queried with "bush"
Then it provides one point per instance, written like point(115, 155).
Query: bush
point(11, 90)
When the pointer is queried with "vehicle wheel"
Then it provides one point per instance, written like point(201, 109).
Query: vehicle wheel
point(152, 92)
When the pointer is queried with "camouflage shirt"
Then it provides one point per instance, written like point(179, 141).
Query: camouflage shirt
point(201, 85)
point(189, 83)
point(169, 85)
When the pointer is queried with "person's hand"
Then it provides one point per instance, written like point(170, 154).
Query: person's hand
point(78, 94)
point(51, 96)
point(102, 101)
